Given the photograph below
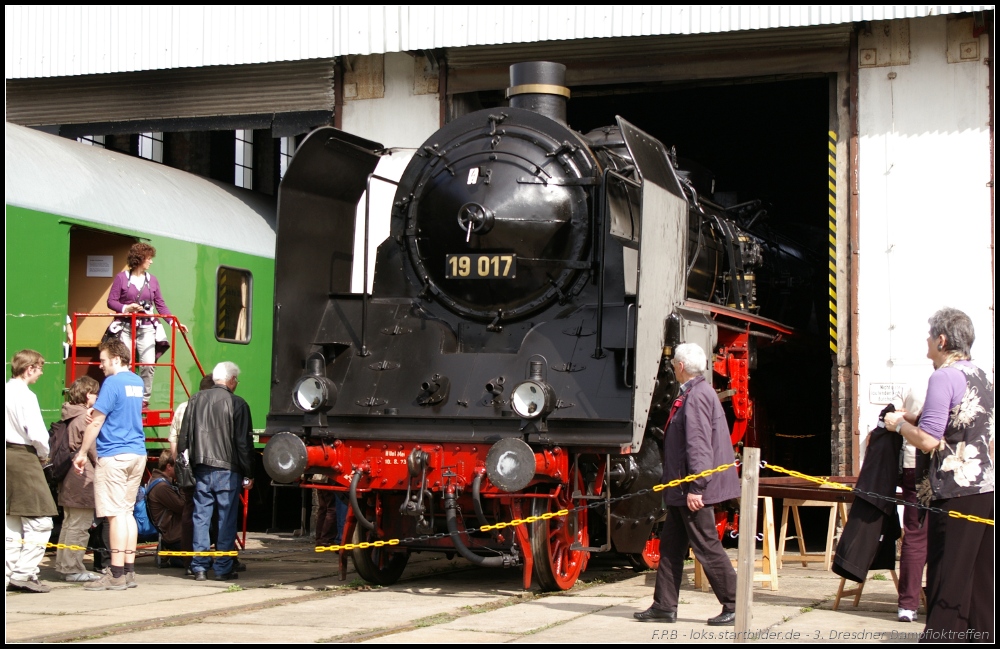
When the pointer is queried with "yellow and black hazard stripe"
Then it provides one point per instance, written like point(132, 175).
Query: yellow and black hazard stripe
point(223, 293)
point(832, 159)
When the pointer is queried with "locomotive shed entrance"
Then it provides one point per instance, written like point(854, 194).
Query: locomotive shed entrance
point(760, 139)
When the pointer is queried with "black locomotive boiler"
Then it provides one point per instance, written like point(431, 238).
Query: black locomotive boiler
point(509, 360)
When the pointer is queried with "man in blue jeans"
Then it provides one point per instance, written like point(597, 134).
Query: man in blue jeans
point(217, 439)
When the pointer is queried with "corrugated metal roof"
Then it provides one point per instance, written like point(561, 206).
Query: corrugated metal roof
point(649, 59)
point(44, 41)
point(165, 94)
point(52, 174)
point(649, 46)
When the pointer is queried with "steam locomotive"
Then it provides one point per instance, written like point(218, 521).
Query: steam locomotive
point(512, 358)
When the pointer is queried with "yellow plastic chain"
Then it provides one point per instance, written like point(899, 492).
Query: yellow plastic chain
point(530, 519)
point(357, 546)
point(837, 485)
point(693, 477)
point(164, 553)
point(821, 481)
point(970, 517)
point(212, 553)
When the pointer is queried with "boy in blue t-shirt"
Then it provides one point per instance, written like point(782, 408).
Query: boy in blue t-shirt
point(121, 405)
point(116, 426)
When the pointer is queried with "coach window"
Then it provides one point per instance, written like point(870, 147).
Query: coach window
point(151, 146)
point(232, 313)
point(287, 151)
point(92, 140)
point(244, 159)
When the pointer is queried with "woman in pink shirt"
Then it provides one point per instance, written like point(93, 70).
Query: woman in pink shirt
point(136, 290)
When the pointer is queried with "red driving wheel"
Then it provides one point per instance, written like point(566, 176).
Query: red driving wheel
point(557, 564)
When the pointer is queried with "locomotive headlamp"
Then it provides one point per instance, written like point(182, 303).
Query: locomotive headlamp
point(532, 399)
point(535, 397)
point(314, 391)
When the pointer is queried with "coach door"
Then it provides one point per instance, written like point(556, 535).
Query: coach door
point(95, 257)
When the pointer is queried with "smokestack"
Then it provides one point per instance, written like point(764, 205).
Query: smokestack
point(539, 86)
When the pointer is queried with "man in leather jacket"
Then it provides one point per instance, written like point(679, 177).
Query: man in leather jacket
point(217, 436)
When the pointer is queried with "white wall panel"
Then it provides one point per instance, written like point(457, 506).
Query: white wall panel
point(71, 40)
point(392, 167)
point(403, 20)
point(392, 25)
point(924, 232)
point(373, 28)
point(380, 119)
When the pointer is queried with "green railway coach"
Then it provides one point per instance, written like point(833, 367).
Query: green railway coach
point(73, 211)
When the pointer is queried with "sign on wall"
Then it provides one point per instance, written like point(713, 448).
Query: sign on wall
point(100, 266)
point(883, 393)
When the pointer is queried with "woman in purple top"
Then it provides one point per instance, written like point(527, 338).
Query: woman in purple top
point(956, 430)
point(136, 291)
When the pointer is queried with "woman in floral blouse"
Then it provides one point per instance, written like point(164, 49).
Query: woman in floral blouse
point(956, 430)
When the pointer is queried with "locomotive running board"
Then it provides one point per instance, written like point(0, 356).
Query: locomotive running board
point(662, 282)
point(736, 314)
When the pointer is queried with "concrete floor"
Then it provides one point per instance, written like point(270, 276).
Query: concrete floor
point(292, 594)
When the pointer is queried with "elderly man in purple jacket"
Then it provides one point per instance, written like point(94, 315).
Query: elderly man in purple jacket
point(696, 438)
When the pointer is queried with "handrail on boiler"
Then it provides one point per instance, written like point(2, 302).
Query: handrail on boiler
point(364, 288)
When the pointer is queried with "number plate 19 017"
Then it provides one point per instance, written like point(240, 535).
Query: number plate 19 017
point(489, 266)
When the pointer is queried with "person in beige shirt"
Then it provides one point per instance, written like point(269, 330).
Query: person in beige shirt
point(30, 508)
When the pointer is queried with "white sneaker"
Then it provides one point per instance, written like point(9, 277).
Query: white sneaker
point(81, 576)
point(906, 615)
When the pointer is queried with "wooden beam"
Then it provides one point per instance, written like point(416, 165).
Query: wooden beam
point(748, 543)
